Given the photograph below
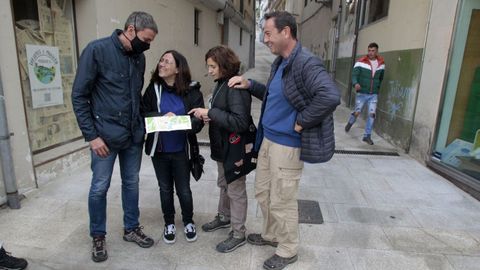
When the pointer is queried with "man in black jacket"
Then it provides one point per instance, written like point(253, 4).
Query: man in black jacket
point(296, 125)
point(106, 99)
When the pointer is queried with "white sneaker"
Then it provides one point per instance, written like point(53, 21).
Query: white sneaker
point(190, 232)
point(169, 234)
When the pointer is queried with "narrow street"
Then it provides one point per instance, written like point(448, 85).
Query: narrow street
point(379, 212)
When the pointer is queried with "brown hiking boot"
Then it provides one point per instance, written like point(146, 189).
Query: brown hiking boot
point(99, 249)
point(137, 236)
point(257, 239)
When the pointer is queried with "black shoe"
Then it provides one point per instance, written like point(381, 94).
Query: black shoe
point(276, 262)
point(8, 262)
point(137, 236)
point(99, 249)
point(169, 234)
point(348, 127)
point(190, 232)
point(368, 140)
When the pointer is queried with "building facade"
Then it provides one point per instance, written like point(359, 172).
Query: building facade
point(42, 41)
point(429, 101)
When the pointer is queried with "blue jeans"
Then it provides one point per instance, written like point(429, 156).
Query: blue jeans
point(102, 168)
point(360, 100)
point(173, 170)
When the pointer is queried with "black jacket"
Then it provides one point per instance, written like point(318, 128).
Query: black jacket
point(229, 112)
point(107, 91)
point(312, 92)
point(193, 98)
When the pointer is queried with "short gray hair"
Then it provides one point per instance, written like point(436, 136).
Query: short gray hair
point(141, 20)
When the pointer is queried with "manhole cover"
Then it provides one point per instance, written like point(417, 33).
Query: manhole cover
point(309, 212)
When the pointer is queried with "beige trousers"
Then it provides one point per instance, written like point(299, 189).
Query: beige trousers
point(278, 173)
point(233, 201)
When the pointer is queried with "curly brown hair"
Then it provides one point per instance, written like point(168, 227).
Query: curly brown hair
point(227, 60)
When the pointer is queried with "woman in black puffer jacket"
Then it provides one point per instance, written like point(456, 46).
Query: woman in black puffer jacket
point(228, 115)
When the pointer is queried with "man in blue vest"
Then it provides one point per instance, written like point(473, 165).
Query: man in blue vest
point(296, 125)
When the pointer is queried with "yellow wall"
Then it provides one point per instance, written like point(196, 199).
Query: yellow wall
point(404, 28)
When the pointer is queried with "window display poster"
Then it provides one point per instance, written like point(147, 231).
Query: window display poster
point(44, 74)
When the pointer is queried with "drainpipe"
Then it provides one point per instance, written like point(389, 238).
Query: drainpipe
point(8, 171)
point(337, 40)
point(354, 50)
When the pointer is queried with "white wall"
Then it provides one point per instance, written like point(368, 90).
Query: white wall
point(314, 28)
point(440, 32)
point(9, 71)
point(234, 43)
point(175, 20)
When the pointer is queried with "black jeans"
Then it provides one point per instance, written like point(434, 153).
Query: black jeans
point(172, 169)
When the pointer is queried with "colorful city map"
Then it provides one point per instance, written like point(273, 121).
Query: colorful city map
point(167, 123)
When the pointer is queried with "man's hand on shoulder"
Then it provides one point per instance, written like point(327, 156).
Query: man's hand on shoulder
point(99, 147)
point(239, 82)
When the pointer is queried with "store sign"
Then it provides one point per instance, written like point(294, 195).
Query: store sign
point(44, 74)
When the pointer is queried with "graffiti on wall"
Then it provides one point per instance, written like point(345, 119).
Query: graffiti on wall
point(400, 100)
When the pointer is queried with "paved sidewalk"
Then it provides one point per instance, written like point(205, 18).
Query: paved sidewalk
point(380, 213)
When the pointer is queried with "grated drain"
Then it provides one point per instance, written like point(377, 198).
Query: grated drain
point(341, 152)
point(368, 153)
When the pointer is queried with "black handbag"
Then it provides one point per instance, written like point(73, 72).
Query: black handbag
point(195, 159)
point(241, 157)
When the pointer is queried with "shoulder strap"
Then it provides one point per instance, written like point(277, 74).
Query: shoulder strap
point(158, 92)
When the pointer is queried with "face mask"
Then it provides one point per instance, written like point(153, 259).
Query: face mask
point(138, 46)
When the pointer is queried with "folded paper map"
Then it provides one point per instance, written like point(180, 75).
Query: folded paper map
point(167, 123)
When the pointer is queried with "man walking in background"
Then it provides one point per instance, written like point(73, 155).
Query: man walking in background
point(106, 99)
point(367, 77)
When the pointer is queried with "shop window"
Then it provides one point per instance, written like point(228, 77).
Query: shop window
point(373, 10)
point(458, 143)
point(47, 59)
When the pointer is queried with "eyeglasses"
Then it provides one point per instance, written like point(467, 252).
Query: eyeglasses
point(165, 61)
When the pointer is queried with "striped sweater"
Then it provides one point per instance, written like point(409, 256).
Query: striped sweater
point(363, 75)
